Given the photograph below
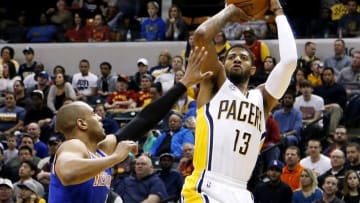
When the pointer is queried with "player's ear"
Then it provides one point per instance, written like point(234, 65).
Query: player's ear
point(252, 70)
point(81, 124)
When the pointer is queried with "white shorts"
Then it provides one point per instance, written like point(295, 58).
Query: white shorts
point(216, 188)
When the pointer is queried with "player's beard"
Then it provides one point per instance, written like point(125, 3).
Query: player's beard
point(238, 78)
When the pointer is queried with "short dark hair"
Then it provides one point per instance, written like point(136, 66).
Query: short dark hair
point(25, 147)
point(106, 64)
point(11, 51)
point(252, 58)
point(330, 69)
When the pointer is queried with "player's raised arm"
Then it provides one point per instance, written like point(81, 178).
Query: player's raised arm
point(279, 79)
point(203, 37)
point(156, 110)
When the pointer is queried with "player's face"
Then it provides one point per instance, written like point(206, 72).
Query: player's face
point(94, 124)
point(238, 65)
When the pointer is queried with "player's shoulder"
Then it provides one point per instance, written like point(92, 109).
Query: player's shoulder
point(72, 145)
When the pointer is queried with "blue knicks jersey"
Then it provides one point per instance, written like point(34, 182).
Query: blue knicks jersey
point(94, 190)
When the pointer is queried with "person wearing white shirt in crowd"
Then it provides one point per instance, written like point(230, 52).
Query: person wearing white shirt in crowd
point(315, 161)
point(84, 82)
point(167, 80)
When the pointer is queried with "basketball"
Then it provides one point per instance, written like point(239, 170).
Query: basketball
point(254, 8)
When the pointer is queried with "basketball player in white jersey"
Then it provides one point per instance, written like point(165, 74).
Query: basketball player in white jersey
point(231, 118)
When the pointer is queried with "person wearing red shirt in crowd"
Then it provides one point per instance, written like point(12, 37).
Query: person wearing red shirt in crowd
point(77, 32)
point(123, 98)
point(144, 96)
point(98, 32)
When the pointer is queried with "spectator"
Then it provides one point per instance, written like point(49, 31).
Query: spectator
point(353, 156)
point(6, 191)
point(260, 78)
point(84, 82)
point(42, 84)
point(221, 45)
point(11, 152)
point(189, 46)
point(340, 59)
point(172, 178)
point(110, 125)
point(41, 149)
point(304, 62)
point(144, 186)
point(258, 48)
point(311, 107)
point(315, 161)
point(61, 17)
point(144, 96)
point(289, 120)
point(28, 67)
point(334, 96)
point(292, 170)
point(164, 64)
point(135, 80)
point(11, 116)
point(153, 28)
point(349, 78)
point(76, 33)
point(59, 69)
point(185, 165)
point(270, 149)
point(98, 32)
point(22, 100)
point(340, 140)
point(337, 169)
point(58, 92)
point(89, 8)
point(176, 28)
point(299, 77)
point(349, 24)
point(172, 141)
point(9, 76)
point(31, 80)
point(275, 190)
point(7, 55)
point(351, 189)
point(315, 75)
point(167, 79)
point(11, 169)
point(44, 32)
point(29, 193)
point(323, 26)
point(309, 191)
point(122, 99)
point(38, 111)
point(107, 82)
point(27, 171)
point(330, 187)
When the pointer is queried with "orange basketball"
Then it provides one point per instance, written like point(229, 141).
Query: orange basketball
point(254, 8)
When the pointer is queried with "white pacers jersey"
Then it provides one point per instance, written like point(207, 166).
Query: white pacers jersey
point(236, 134)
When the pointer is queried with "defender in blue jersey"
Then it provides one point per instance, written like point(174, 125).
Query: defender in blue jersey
point(81, 169)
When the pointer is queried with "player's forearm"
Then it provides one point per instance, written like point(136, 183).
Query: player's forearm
point(151, 114)
point(206, 32)
point(279, 79)
point(76, 171)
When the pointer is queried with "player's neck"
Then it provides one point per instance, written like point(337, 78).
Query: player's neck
point(243, 88)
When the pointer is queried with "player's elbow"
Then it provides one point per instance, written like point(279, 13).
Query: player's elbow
point(200, 36)
point(67, 177)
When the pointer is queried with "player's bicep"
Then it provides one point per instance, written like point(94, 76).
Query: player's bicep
point(108, 144)
point(67, 155)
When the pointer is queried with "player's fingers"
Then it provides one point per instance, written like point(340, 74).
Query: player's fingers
point(206, 75)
